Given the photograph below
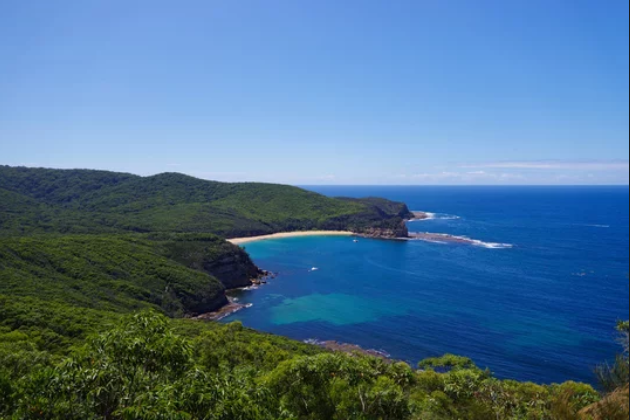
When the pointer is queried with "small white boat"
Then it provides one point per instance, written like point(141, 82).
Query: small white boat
point(314, 269)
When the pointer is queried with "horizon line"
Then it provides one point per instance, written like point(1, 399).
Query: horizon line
point(462, 185)
point(627, 185)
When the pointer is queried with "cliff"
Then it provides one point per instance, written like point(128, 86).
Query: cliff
point(380, 218)
point(395, 231)
point(234, 270)
point(228, 263)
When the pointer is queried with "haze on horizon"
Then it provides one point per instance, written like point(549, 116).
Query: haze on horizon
point(413, 92)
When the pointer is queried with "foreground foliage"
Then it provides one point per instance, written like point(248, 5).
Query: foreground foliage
point(150, 367)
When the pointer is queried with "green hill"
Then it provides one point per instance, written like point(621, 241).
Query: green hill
point(83, 201)
point(63, 285)
point(121, 273)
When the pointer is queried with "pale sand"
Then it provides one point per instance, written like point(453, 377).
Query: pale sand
point(241, 241)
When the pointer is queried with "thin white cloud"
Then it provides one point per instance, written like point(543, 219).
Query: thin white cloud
point(173, 164)
point(472, 177)
point(575, 165)
point(439, 175)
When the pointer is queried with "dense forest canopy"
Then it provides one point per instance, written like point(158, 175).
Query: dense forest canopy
point(84, 201)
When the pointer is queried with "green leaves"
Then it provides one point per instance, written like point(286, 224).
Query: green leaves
point(6, 392)
point(139, 370)
point(150, 367)
point(616, 376)
point(337, 386)
point(447, 362)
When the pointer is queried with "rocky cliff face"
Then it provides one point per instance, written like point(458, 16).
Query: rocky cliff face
point(208, 303)
point(230, 264)
point(389, 232)
point(234, 270)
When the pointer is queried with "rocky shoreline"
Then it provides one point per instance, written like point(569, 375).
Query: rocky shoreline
point(419, 215)
point(349, 349)
point(441, 237)
point(233, 305)
point(400, 232)
point(224, 312)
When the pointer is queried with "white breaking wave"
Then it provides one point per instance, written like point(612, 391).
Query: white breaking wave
point(435, 241)
point(491, 245)
point(482, 244)
point(436, 216)
point(235, 310)
point(597, 226)
point(443, 238)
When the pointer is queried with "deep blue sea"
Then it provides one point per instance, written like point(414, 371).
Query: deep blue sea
point(541, 307)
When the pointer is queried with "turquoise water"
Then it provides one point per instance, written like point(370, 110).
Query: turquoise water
point(536, 298)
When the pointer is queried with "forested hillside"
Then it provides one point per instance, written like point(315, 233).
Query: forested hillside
point(122, 273)
point(83, 201)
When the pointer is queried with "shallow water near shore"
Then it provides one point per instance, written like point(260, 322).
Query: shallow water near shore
point(542, 309)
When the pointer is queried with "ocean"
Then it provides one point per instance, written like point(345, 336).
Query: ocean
point(535, 297)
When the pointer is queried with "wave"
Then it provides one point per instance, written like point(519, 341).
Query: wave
point(236, 308)
point(248, 288)
point(230, 309)
point(443, 238)
point(435, 216)
point(491, 245)
point(595, 226)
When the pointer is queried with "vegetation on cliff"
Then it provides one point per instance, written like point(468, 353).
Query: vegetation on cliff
point(121, 273)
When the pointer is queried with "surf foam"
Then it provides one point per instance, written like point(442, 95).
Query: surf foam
point(436, 216)
point(446, 238)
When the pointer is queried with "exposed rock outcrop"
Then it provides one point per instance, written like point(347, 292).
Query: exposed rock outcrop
point(419, 215)
point(228, 263)
point(398, 231)
point(234, 270)
point(207, 303)
point(351, 349)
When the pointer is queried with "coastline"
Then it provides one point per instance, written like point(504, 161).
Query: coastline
point(419, 215)
point(241, 241)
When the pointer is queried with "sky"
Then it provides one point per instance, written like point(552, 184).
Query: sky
point(376, 92)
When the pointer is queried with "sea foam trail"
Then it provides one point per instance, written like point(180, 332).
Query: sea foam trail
point(443, 238)
point(435, 216)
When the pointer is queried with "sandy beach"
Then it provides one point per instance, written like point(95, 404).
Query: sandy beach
point(241, 241)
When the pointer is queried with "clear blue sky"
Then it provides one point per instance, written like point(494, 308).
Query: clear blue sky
point(320, 92)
